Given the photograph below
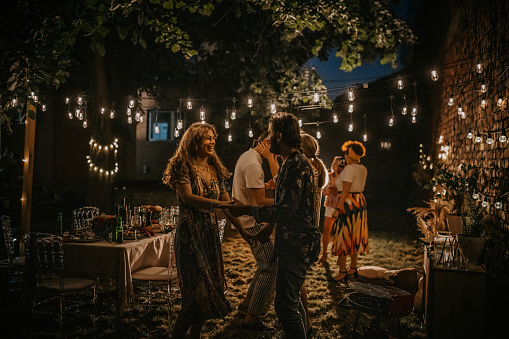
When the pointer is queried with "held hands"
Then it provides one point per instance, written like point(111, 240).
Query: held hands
point(263, 235)
point(330, 190)
point(236, 208)
point(270, 185)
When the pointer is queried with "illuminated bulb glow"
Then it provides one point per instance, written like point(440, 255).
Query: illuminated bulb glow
point(484, 88)
point(300, 122)
point(112, 114)
point(176, 133)
point(483, 103)
point(414, 120)
point(479, 68)
point(249, 102)
point(85, 124)
point(365, 137)
point(179, 124)
point(335, 118)
point(202, 115)
point(350, 127)
point(129, 119)
point(70, 115)
point(400, 84)
point(14, 102)
point(391, 122)
point(484, 203)
point(156, 128)
point(414, 111)
point(500, 101)
point(404, 111)
point(316, 97)
point(103, 110)
point(478, 138)
point(43, 107)
point(131, 103)
point(189, 104)
point(226, 123)
point(234, 114)
point(350, 108)
point(351, 96)
point(489, 140)
point(230, 138)
point(250, 132)
point(273, 108)
point(470, 135)
point(503, 137)
point(434, 75)
point(318, 134)
point(67, 100)
point(450, 102)
point(498, 205)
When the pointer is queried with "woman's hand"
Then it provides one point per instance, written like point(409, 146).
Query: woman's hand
point(270, 185)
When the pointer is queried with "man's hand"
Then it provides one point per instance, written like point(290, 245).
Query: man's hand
point(237, 208)
point(270, 185)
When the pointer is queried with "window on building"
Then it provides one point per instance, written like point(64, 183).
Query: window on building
point(166, 121)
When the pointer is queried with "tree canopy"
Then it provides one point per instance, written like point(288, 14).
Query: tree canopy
point(256, 46)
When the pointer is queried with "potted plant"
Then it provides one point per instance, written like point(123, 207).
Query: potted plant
point(454, 187)
point(472, 240)
point(432, 219)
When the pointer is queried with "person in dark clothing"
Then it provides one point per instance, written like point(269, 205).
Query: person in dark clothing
point(297, 241)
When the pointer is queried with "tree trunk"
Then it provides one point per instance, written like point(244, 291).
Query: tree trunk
point(100, 185)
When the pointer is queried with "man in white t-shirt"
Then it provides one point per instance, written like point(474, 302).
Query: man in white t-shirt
point(249, 188)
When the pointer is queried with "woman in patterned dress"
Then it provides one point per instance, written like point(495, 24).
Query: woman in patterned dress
point(350, 228)
point(199, 177)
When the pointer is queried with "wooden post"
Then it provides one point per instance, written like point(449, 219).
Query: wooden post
point(28, 170)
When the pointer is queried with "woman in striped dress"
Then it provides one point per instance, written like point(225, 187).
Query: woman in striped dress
point(350, 228)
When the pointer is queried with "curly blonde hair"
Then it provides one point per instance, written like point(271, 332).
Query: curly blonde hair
point(187, 150)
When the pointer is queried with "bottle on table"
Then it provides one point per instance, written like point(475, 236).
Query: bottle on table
point(119, 231)
point(60, 224)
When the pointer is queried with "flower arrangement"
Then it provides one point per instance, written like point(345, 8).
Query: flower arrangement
point(431, 219)
point(102, 224)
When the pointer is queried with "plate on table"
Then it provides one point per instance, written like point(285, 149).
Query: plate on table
point(86, 239)
point(130, 236)
point(156, 228)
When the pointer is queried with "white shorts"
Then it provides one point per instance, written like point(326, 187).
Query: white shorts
point(329, 211)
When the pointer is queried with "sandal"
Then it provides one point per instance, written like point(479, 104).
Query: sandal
point(343, 280)
point(355, 273)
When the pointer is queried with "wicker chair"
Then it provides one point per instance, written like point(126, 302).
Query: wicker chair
point(165, 278)
point(13, 264)
point(46, 275)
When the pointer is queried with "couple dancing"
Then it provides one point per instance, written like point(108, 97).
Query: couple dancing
point(199, 177)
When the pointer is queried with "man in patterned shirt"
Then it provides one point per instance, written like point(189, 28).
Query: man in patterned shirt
point(297, 242)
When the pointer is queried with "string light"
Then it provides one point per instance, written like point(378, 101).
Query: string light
point(96, 149)
point(316, 97)
point(189, 104)
point(102, 110)
point(227, 120)
point(230, 137)
point(400, 84)
point(391, 119)
point(156, 125)
point(484, 88)
point(112, 114)
point(450, 102)
point(404, 111)
point(202, 114)
point(365, 136)
point(350, 108)
point(479, 68)
point(43, 107)
point(489, 139)
point(250, 102)
point(434, 75)
point(67, 100)
point(250, 130)
point(131, 103)
point(176, 133)
point(335, 118)
point(470, 135)
point(500, 101)
point(351, 96)
point(318, 134)
point(483, 103)
point(273, 109)
point(503, 137)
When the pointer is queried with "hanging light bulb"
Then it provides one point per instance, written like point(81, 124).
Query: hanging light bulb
point(404, 111)
point(351, 96)
point(85, 123)
point(470, 135)
point(141, 118)
point(234, 114)
point(414, 120)
point(80, 100)
point(316, 97)
point(335, 118)
point(350, 108)
point(475, 195)
point(484, 203)
point(70, 115)
point(137, 115)
point(77, 113)
point(463, 115)
point(479, 68)
point(350, 127)
point(130, 119)
point(503, 137)
point(478, 138)
point(112, 114)
point(131, 103)
point(450, 102)
point(365, 137)
point(202, 114)
point(226, 123)
point(318, 134)
point(498, 204)
point(249, 102)
point(156, 128)
point(300, 122)
point(489, 139)
point(273, 107)
point(414, 110)
point(250, 132)
point(391, 122)
point(230, 137)
point(67, 100)
point(189, 104)
point(102, 110)
point(483, 103)
point(176, 133)
point(484, 88)
point(400, 84)
point(500, 101)
point(14, 102)
point(43, 107)
point(460, 109)
point(179, 124)
point(434, 75)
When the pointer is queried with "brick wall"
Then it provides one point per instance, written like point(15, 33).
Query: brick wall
point(478, 32)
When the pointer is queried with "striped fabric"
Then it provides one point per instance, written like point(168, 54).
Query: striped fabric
point(350, 231)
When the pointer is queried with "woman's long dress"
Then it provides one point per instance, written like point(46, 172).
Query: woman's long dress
point(198, 253)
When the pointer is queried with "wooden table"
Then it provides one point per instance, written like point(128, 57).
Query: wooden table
point(111, 261)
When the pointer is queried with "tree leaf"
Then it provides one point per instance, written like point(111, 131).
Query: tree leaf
point(100, 49)
point(143, 43)
point(13, 85)
point(168, 4)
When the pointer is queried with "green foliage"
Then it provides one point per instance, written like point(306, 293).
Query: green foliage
point(475, 221)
